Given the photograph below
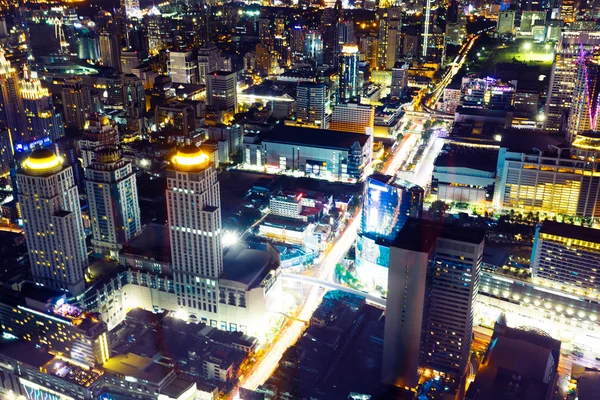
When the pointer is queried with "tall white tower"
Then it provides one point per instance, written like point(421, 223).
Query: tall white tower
point(54, 232)
point(113, 200)
point(194, 214)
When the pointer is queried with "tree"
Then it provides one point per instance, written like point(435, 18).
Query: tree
point(438, 210)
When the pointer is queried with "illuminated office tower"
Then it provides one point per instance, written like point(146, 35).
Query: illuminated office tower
point(183, 67)
point(110, 50)
point(567, 10)
point(76, 101)
point(562, 77)
point(348, 70)
point(113, 200)
point(11, 105)
point(49, 202)
point(390, 22)
point(297, 38)
point(387, 204)
point(311, 99)
point(344, 35)
point(194, 215)
point(42, 119)
point(221, 91)
point(432, 289)
point(134, 96)
point(566, 256)
point(353, 117)
point(156, 32)
point(427, 30)
point(208, 61)
point(99, 131)
point(132, 8)
point(584, 106)
point(313, 46)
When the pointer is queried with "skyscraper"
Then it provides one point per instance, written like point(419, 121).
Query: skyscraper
point(585, 101)
point(42, 119)
point(208, 61)
point(52, 221)
point(76, 102)
point(344, 35)
point(221, 91)
point(348, 70)
point(110, 50)
point(390, 21)
point(99, 131)
point(183, 67)
point(134, 96)
point(311, 99)
point(387, 204)
point(313, 46)
point(432, 291)
point(113, 201)
point(562, 77)
point(194, 215)
point(11, 105)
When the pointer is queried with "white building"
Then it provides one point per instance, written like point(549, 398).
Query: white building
point(99, 131)
point(183, 67)
point(286, 205)
point(113, 200)
point(53, 226)
point(221, 91)
point(506, 23)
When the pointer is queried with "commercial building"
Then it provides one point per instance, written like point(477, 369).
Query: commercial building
point(286, 205)
point(562, 79)
point(183, 67)
point(326, 154)
point(43, 318)
point(208, 61)
point(98, 131)
point(352, 117)
point(567, 257)
point(506, 24)
point(311, 101)
point(76, 101)
point(487, 93)
point(559, 180)
point(49, 202)
point(110, 50)
point(113, 200)
point(585, 101)
point(313, 46)
point(350, 88)
point(463, 173)
point(221, 91)
point(388, 49)
point(431, 326)
point(399, 79)
point(519, 362)
point(12, 113)
point(387, 204)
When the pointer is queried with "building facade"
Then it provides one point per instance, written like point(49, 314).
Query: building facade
point(113, 201)
point(49, 201)
point(221, 91)
point(351, 117)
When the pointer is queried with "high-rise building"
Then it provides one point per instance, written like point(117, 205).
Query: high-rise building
point(132, 8)
point(350, 90)
point(562, 77)
point(6, 151)
point(390, 22)
point(297, 38)
point(585, 102)
point(49, 202)
point(134, 96)
point(183, 67)
point(11, 105)
point(76, 101)
point(113, 201)
point(208, 61)
point(221, 91)
point(428, 325)
point(567, 10)
point(156, 32)
point(387, 204)
point(42, 120)
point(566, 256)
point(399, 79)
point(99, 131)
point(110, 50)
point(194, 215)
point(352, 117)
point(311, 100)
point(313, 46)
point(506, 23)
point(344, 36)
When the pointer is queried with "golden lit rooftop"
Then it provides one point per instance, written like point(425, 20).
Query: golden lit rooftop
point(189, 157)
point(42, 161)
point(350, 48)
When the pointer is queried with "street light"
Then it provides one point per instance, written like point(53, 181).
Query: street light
point(527, 46)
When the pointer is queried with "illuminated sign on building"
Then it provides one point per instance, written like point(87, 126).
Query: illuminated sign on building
point(34, 145)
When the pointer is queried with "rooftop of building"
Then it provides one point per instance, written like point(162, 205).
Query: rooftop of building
point(315, 137)
point(570, 231)
point(245, 265)
point(24, 352)
point(222, 73)
point(286, 223)
point(151, 243)
point(458, 156)
point(138, 367)
point(522, 140)
point(176, 388)
point(393, 181)
point(588, 385)
point(72, 373)
point(421, 235)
